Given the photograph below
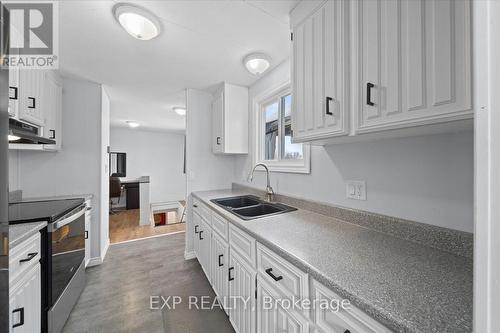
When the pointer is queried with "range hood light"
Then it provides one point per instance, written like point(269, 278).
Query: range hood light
point(13, 137)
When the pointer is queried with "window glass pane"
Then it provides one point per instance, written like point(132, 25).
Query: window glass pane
point(271, 131)
point(290, 150)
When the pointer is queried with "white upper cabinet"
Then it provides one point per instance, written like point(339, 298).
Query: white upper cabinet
point(414, 59)
point(320, 72)
point(30, 94)
point(390, 66)
point(230, 120)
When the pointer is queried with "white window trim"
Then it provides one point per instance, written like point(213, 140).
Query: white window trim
point(292, 166)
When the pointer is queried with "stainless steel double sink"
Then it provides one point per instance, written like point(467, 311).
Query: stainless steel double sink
point(249, 207)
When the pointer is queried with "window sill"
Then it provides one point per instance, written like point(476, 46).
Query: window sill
point(286, 168)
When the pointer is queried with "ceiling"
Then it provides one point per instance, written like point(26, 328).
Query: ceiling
point(202, 44)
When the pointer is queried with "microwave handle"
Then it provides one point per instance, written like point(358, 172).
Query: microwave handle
point(56, 225)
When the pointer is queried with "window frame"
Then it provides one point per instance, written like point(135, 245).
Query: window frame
point(278, 165)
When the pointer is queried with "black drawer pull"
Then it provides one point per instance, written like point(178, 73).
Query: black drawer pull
point(229, 273)
point(347, 331)
point(195, 205)
point(218, 140)
point(14, 94)
point(369, 87)
point(220, 256)
point(21, 317)
point(32, 105)
point(30, 256)
point(196, 229)
point(201, 238)
point(328, 100)
point(86, 234)
point(275, 278)
point(52, 134)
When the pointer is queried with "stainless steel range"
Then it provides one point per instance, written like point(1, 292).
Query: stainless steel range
point(63, 255)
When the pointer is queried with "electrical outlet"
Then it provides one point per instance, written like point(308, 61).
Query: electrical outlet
point(356, 189)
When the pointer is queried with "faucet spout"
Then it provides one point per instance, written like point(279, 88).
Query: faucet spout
point(269, 189)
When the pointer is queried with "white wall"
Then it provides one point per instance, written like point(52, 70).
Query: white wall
point(76, 168)
point(104, 172)
point(159, 155)
point(425, 179)
point(205, 170)
point(13, 170)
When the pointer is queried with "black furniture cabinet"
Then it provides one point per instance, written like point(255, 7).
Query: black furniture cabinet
point(132, 192)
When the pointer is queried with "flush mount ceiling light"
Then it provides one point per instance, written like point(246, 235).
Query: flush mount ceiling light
point(257, 63)
point(180, 110)
point(138, 22)
point(132, 123)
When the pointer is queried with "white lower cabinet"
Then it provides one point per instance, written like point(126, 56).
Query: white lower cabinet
point(257, 287)
point(272, 317)
point(220, 264)
point(25, 286)
point(242, 294)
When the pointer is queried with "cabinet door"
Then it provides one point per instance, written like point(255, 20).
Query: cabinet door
point(220, 260)
point(218, 123)
point(242, 294)
point(320, 103)
point(196, 236)
point(271, 317)
point(30, 90)
point(88, 223)
point(25, 303)
point(14, 92)
point(415, 63)
point(52, 95)
point(204, 237)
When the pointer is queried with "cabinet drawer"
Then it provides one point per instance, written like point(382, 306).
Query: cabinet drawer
point(286, 278)
point(24, 256)
point(242, 243)
point(202, 210)
point(352, 319)
point(220, 225)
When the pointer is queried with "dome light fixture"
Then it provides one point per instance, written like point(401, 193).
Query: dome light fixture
point(180, 110)
point(138, 22)
point(257, 63)
point(133, 123)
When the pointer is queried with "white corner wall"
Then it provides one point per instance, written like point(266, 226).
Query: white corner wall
point(76, 168)
point(426, 179)
point(159, 155)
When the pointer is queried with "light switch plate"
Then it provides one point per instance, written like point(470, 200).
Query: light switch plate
point(356, 189)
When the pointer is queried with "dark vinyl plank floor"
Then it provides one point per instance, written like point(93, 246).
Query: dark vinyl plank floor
point(117, 295)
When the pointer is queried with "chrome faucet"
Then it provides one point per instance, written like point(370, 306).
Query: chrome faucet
point(269, 189)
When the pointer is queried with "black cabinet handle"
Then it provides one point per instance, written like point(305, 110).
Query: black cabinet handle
point(195, 205)
point(201, 238)
point(347, 331)
point(275, 278)
point(196, 229)
point(86, 234)
point(218, 140)
point(220, 256)
point(14, 93)
point(328, 100)
point(30, 256)
point(229, 273)
point(369, 87)
point(33, 102)
point(21, 317)
point(52, 134)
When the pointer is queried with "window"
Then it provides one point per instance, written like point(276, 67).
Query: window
point(274, 134)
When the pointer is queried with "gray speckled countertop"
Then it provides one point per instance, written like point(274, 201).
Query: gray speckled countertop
point(20, 232)
point(404, 285)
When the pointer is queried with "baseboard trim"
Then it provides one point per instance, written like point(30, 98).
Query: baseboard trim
point(96, 261)
point(189, 255)
point(149, 237)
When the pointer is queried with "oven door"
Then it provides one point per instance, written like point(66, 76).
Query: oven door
point(67, 238)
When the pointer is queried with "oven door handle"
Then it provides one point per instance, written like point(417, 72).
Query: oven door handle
point(56, 225)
